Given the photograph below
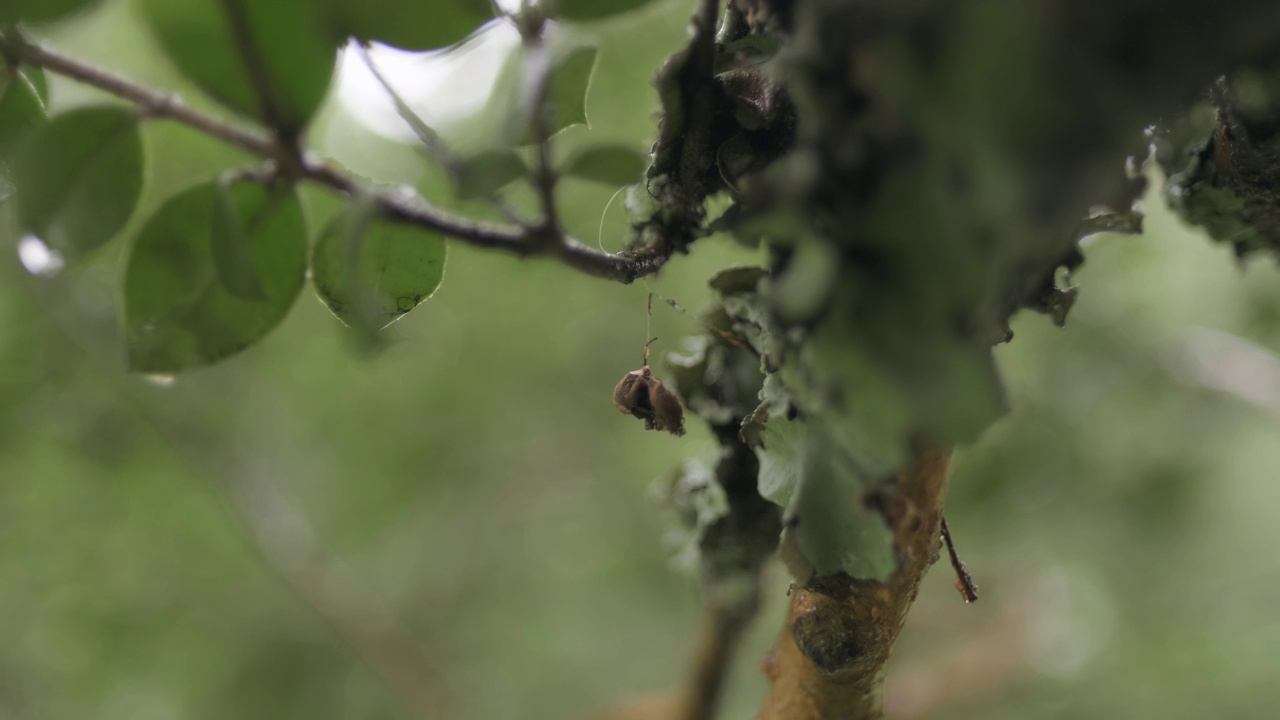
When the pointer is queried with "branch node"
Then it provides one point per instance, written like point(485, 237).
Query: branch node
point(828, 638)
point(546, 239)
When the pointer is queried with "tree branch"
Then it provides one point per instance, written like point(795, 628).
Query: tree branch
point(683, 170)
point(545, 177)
point(396, 205)
point(829, 661)
point(734, 530)
point(537, 83)
point(152, 102)
point(734, 550)
point(721, 631)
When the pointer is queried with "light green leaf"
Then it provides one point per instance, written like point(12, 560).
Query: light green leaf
point(824, 490)
point(79, 178)
point(370, 271)
point(11, 11)
point(779, 471)
point(781, 226)
point(488, 171)
point(835, 527)
point(230, 247)
point(834, 377)
point(409, 24)
point(802, 291)
point(609, 164)
point(584, 10)
point(292, 53)
point(738, 280)
point(177, 314)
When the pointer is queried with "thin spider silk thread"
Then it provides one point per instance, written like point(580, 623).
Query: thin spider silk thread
point(603, 213)
point(648, 321)
point(648, 324)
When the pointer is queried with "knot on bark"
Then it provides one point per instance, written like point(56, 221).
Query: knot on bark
point(829, 638)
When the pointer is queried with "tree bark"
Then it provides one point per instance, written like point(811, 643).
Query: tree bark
point(830, 657)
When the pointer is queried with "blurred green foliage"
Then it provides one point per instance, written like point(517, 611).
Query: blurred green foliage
point(291, 63)
point(1121, 520)
point(80, 176)
point(179, 310)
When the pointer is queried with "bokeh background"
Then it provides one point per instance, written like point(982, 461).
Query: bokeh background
point(168, 546)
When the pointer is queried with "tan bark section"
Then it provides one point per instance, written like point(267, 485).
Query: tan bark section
point(829, 661)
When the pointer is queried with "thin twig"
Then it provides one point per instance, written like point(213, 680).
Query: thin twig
point(254, 66)
point(430, 139)
point(538, 66)
point(152, 102)
point(964, 582)
point(718, 638)
point(400, 206)
point(407, 206)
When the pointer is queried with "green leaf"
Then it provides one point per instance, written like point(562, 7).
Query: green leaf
point(79, 177)
point(40, 10)
point(738, 280)
point(567, 87)
point(802, 291)
point(834, 377)
point(476, 176)
point(291, 54)
point(481, 174)
point(229, 243)
point(485, 173)
point(177, 313)
point(584, 10)
point(370, 271)
point(507, 116)
point(609, 164)
point(409, 24)
point(824, 490)
point(21, 111)
point(779, 471)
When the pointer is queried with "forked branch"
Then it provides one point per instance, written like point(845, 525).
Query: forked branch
point(403, 207)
